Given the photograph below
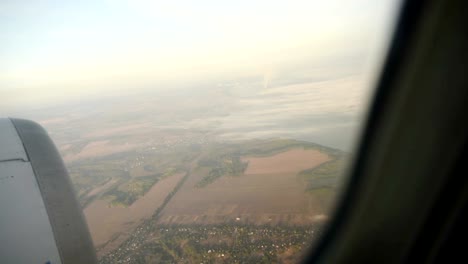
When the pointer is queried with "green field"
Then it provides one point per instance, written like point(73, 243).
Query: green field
point(127, 193)
point(326, 175)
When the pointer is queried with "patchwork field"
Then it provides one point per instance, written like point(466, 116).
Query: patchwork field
point(269, 192)
point(114, 223)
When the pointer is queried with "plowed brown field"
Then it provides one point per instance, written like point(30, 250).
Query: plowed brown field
point(268, 193)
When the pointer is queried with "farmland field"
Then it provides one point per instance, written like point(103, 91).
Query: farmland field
point(111, 224)
point(263, 195)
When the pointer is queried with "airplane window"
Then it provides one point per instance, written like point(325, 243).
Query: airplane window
point(197, 132)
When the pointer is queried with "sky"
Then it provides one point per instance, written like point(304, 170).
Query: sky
point(57, 50)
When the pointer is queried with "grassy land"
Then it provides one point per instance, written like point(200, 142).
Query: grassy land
point(133, 173)
point(326, 175)
point(231, 166)
point(127, 193)
point(274, 146)
point(87, 176)
point(224, 160)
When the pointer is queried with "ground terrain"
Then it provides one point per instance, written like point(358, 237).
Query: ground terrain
point(274, 185)
point(178, 187)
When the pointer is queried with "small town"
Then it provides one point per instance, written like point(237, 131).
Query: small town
point(224, 243)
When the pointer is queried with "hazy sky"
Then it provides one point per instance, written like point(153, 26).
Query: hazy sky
point(59, 49)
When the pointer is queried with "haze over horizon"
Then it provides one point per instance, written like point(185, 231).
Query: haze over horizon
point(59, 50)
point(300, 69)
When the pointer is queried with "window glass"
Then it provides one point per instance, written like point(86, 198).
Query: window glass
point(197, 131)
